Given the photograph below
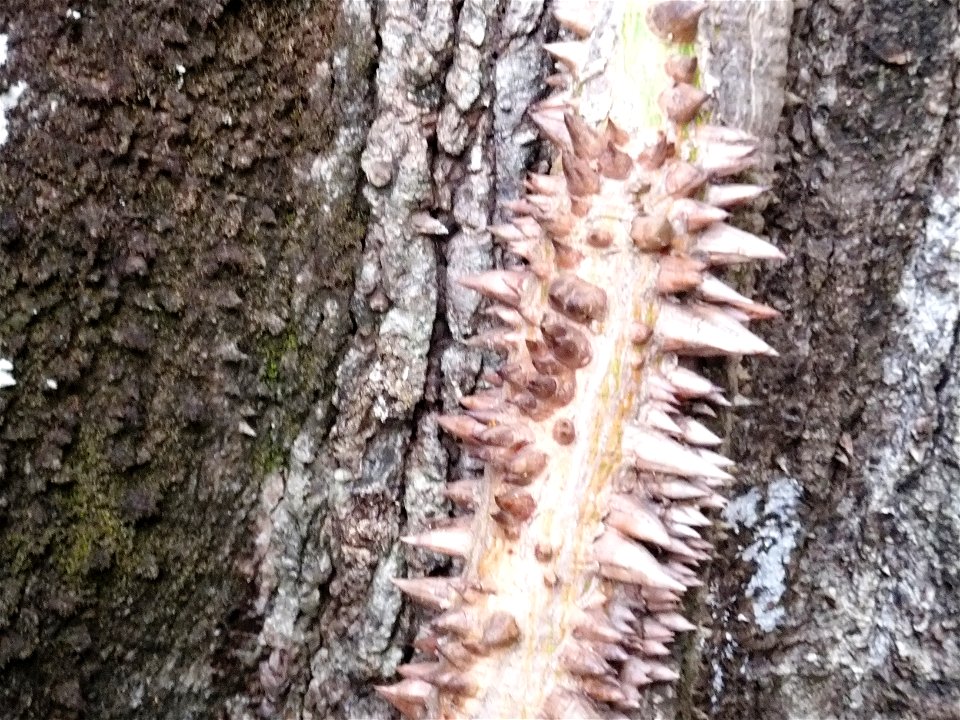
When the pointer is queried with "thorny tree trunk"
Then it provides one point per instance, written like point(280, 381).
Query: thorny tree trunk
point(230, 325)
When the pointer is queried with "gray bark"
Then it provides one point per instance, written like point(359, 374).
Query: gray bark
point(262, 243)
point(836, 594)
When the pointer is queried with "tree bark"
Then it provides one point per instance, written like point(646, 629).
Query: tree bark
point(835, 595)
point(227, 230)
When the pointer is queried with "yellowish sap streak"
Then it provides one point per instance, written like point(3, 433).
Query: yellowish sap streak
point(638, 70)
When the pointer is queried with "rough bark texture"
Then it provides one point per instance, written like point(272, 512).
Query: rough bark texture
point(836, 595)
point(179, 224)
point(194, 248)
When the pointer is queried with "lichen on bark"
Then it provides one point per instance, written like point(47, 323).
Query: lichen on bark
point(170, 287)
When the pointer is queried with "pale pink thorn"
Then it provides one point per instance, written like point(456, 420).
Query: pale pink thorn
point(508, 232)
point(660, 394)
point(659, 420)
point(668, 408)
point(709, 483)
point(607, 690)
point(735, 314)
point(408, 696)
point(483, 400)
point(633, 518)
point(703, 409)
point(701, 544)
point(547, 184)
point(683, 531)
point(676, 622)
point(552, 126)
point(661, 673)
point(713, 501)
point(572, 54)
point(507, 286)
point(635, 672)
point(719, 399)
point(680, 572)
point(462, 493)
point(532, 250)
point(570, 705)
point(519, 207)
point(611, 651)
point(508, 316)
point(683, 552)
point(577, 16)
point(714, 290)
point(722, 152)
point(654, 629)
point(693, 330)
point(624, 560)
point(719, 167)
point(661, 390)
point(454, 681)
point(732, 195)
point(689, 383)
point(720, 314)
point(454, 539)
point(558, 102)
point(676, 490)
point(693, 215)
point(455, 621)
point(621, 617)
point(548, 204)
point(596, 627)
point(687, 515)
point(654, 648)
point(666, 607)
point(437, 593)
point(461, 426)
point(655, 451)
point(697, 433)
point(723, 240)
point(715, 458)
point(501, 340)
point(580, 659)
point(659, 595)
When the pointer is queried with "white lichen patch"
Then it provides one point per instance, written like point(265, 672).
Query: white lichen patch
point(11, 97)
point(774, 530)
point(929, 301)
point(6, 374)
point(742, 510)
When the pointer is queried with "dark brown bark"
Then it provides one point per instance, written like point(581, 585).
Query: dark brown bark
point(179, 224)
point(194, 248)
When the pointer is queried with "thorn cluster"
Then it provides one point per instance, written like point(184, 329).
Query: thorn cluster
point(583, 534)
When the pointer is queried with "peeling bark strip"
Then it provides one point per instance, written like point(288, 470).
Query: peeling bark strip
point(585, 530)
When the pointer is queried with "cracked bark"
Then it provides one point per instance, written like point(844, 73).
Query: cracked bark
point(847, 453)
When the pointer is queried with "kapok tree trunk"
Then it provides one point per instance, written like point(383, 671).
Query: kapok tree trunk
point(225, 297)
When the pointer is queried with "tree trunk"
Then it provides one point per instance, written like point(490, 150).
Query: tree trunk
point(226, 231)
